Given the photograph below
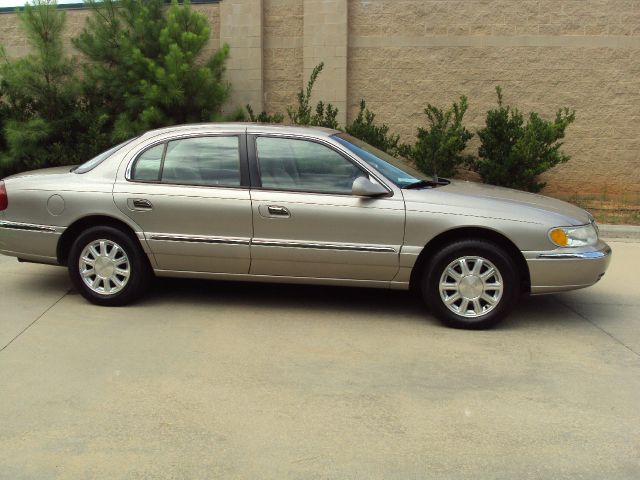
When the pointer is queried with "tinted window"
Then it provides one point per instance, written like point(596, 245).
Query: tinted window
point(147, 166)
point(192, 161)
point(288, 164)
point(203, 161)
point(98, 159)
point(400, 171)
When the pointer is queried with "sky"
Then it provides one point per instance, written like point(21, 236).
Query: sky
point(20, 3)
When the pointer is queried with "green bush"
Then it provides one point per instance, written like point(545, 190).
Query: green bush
point(144, 69)
point(513, 153)
point(365, 128)
point(438, 149)
point(264, 117)
point(324, 115)
point(45, 121)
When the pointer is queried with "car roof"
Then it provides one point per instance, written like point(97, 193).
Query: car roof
point(244, 127)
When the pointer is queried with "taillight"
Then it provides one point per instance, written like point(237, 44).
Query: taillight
point(4, 199)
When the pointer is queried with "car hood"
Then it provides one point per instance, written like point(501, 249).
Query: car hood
point(499, 202)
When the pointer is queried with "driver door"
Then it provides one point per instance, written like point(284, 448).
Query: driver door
point(307, 223)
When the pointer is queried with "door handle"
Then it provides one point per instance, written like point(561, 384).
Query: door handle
point(278, 211)
point(140, 204)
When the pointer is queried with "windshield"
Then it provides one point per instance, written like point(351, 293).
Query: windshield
point(97, 160)
point(399, 170)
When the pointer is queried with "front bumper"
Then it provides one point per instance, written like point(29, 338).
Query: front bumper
point(567, 268)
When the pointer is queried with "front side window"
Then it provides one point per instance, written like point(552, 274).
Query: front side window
point(211, 161)
point(302, 165)
point(399, 170)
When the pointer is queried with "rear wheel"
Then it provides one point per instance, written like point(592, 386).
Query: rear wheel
point(471, 284)
point(108, 267)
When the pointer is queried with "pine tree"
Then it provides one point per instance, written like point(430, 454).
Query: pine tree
point(145, 67)
point(45, 121)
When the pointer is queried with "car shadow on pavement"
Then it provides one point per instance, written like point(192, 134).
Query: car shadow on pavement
point(290, 296)
point(404, 306)
point(393, 305)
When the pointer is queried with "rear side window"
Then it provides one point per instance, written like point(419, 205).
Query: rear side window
point(211, 161)
point(97, 160)
point(203, 161)
point(147, 166)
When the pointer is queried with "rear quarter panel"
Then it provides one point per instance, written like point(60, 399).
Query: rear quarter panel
point(53, 201)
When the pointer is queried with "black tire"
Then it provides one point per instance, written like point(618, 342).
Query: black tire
point(137, 265)
point(471, 315)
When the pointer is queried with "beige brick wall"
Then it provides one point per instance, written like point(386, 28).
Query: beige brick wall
point(241, 28)
point(282, 57)
point(325, 40)
point(545, 54)
point(14, 40)
point(402, 54)
point(212, 13)
point(494, 17)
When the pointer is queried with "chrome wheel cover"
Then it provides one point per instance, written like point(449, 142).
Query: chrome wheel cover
point(104, 267)
point(471, 286)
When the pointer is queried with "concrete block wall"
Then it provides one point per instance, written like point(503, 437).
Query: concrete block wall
point(544, 53)
point(282, 54)
point(241, 28)
point(14, 40)
point(325, 40)
point(402, 54)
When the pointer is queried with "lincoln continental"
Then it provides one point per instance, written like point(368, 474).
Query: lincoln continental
point(294, 205)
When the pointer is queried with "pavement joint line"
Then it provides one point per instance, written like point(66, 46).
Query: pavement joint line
point(32, 323)
point(605, 303)
point(598, 327)
point(618, 232)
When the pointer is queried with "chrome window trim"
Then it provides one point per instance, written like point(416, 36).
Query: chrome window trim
point(344, 152)
point(28, 227)
point(166, 140)
point(323, 246)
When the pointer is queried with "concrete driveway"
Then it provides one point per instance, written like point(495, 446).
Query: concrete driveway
point(247, 381)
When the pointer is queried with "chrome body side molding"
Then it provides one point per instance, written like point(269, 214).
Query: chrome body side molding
point(269, 243)
point(200, 239)
point(28, 226)
point(588, 255)
point(322, 246)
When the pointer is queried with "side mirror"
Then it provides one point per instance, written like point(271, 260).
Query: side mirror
point(363, 187)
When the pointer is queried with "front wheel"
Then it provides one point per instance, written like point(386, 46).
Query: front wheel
point(471, 284)
point(108, 267)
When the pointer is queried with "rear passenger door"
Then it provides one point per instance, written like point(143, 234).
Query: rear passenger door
point(190, 197)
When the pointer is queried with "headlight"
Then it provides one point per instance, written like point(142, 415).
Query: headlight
point(581, 236)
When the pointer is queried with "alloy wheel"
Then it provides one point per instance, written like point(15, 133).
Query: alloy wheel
point(471, 286)
point(104, 267)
